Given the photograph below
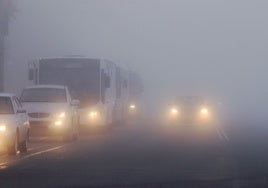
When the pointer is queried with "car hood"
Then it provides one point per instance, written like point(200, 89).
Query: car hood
point(6, 118)
point(44, 107)
point(9, 120)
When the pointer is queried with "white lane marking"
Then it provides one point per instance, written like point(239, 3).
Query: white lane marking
point(219, 134)
point(32, 148)
point(222, 135)
point(41, 152)
point(5, 164)
point(2, 164)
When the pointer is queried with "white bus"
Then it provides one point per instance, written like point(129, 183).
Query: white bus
point(97, 83)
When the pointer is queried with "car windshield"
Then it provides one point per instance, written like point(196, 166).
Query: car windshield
point(51, 95)
point(189, 101)
point(6, 106)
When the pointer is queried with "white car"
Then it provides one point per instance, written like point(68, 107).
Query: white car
point(51, 111)
point(14, 124)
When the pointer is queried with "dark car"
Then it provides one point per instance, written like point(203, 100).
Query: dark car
point(190, 110)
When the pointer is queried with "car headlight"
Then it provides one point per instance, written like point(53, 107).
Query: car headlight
point(174, 111)
point(132, 106)
point(204, 111)
point(58, 123)
point(3, 128)
point(61, 115)
point(93, 114)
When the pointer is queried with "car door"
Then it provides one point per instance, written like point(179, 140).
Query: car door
point(21, 118)
point(17, 116)
point(73, 110)
point(24, 116)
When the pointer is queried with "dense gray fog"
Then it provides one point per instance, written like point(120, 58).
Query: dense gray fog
point(180, 47)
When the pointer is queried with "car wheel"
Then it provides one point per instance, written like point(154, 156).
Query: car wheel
point(24, 144)
point(76, 130)
point(75, 136)
point(68, 137)
point(13, 148)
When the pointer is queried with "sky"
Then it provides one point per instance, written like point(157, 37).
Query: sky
point(215, 48)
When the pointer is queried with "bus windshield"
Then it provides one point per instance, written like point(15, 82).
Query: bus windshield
point(81, 75)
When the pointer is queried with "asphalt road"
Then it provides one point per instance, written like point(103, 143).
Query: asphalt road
point(145, 154)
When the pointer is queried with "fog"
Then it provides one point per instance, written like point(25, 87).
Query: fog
point(212, 48)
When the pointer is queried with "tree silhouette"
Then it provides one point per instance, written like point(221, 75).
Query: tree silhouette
point(7, 11)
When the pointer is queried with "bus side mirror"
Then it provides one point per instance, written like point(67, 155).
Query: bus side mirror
point(31, 74)
point(107, 82)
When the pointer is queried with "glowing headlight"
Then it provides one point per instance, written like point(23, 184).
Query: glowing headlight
point(174, 111)
point(93, 114)
point(204, 111)
point(132, 106)
point(3, 128)
point(58, 123)
point(61, 115)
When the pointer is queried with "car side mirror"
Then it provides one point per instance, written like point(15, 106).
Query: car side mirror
point(21, 111)
point(75, 102)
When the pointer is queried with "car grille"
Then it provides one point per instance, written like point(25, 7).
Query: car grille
point(40, 123)
point(38, 115)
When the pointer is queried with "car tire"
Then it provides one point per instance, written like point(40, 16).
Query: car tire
point(24, 144)
point(76, 130)
point(68, 137)
point(13, 148)
point(75, 136)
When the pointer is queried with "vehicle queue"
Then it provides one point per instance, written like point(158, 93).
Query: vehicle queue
point(72, 94)
point(66, 95)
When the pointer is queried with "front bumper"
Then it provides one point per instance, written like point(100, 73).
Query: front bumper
point(47, 128)
point(190, 120)
point(6, 139)
point(87, 120)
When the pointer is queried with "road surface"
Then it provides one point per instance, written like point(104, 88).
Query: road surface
point(145, 154)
